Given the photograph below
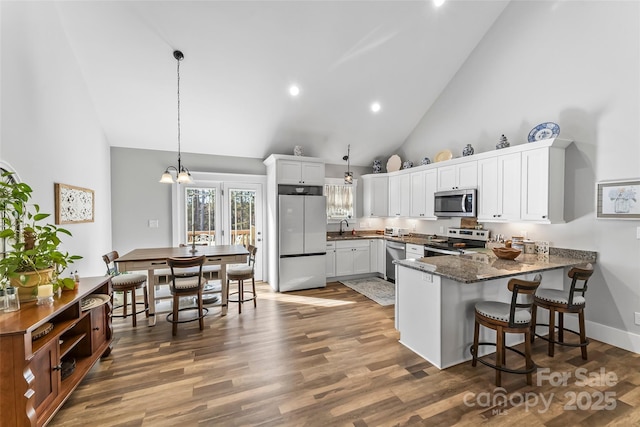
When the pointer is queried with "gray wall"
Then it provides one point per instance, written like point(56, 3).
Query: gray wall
point(138, 197)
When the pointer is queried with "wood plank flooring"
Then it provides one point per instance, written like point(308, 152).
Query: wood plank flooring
point(331, 357)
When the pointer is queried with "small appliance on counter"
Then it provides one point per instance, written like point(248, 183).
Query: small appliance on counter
point(395, 232)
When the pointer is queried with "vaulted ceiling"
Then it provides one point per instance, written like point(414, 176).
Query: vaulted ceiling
point(242, 56)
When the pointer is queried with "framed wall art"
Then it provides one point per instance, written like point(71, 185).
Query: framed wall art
point(618, 199)
point(73, 204)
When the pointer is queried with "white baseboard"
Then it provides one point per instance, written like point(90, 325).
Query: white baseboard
point(612, 336)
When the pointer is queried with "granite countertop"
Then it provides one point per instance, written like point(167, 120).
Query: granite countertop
point(483, 265)
point(416, 240)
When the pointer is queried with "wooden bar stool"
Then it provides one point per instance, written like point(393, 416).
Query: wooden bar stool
point(240, 273)
point(186, 280)
point(561, 302)
point(507, 318)
point(125, 283)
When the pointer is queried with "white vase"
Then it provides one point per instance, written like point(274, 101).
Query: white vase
point(297, 150)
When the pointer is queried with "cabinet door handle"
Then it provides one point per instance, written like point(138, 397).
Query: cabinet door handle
point(96, 329)
point(57, 368)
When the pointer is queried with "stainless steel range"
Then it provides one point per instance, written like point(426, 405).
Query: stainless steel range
point(457, 241)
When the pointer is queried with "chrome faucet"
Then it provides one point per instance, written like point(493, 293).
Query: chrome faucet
point(346, 222)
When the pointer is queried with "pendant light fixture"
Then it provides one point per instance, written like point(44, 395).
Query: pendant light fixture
point(348, 175)
point(183, 174)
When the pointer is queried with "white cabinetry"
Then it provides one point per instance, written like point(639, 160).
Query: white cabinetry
point(543, 185)
point(400, 195)
point(352, 257)
point(373, 255)
point(376, 195)
point(300, 172)
point(414, 251)
point(423, 185)
point(461, 175)
point(331, 259)
point(499, 188)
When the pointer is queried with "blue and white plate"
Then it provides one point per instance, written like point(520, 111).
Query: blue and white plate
point(544, 131)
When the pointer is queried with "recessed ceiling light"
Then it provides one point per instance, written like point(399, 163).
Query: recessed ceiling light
point(438, 3)
point(375, 107)
point(294, 90)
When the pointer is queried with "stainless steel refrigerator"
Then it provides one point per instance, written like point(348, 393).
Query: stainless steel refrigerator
point(302, 229)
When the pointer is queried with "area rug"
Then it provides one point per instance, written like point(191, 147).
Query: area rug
point(374, 288)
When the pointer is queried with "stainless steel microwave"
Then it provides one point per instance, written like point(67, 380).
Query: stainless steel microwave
point(456, 203)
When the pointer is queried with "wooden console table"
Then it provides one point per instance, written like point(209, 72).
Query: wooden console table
point(31, 385)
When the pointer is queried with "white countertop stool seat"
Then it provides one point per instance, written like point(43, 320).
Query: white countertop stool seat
point(240, 273)
point(125, 283)
point(514, 317)
point(561, 302)
point(186, 280)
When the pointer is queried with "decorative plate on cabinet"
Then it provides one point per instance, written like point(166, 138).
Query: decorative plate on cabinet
point(544, 131)
point(93, 300)
point(443, 155)
point(394, 163)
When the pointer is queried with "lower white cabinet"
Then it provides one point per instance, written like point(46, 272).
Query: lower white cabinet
point(352, 257)
point(331, 259)
point(414, 251)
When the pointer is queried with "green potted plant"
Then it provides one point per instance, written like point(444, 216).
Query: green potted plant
point(32, 256)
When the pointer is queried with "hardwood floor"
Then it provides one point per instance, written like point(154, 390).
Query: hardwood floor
point(331, 357)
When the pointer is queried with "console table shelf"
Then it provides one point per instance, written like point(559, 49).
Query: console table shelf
point(32, 388)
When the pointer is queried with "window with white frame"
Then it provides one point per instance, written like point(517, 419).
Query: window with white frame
point(341, 198)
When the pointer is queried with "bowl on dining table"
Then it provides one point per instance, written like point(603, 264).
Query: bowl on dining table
point(506, 253)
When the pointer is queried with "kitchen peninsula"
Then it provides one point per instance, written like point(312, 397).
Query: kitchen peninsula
point(435, 297)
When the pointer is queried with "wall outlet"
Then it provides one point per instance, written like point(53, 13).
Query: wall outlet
point(637, 318)
point(429, 278)
point(638, 233)
point(441, 230)
point(153, 223)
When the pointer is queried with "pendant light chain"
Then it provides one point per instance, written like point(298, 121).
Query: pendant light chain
point(183, 174)
point(179, 151)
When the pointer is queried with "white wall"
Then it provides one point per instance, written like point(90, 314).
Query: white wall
point(49, 130)
point(575, 63)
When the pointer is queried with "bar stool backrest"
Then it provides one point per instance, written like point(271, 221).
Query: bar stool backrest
point(526, 288)
point(112, 267)
point(579, 274)
point(182, 268)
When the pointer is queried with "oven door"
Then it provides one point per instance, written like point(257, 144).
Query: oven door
point(431, 251)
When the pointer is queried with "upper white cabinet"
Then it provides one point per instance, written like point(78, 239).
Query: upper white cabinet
point(543, 184)
point(400, 195)
point(376, 195)
point(460, 175)
point(423, 185)
point(499, 188)
point(522, 183)
point(300, 172)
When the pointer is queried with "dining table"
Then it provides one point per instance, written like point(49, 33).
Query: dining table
point(151, 259)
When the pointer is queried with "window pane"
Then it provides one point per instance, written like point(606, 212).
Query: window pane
point(200, 213)
point(339, 200)
point(243, 217)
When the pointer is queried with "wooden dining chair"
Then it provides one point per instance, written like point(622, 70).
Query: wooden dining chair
point(240, 273)
point(186, 280)
point(126, 283)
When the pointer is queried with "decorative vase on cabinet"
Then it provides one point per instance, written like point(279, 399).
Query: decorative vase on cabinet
point(468, 150)
point(425, 161)
point(503, 143)
point(297, 150)
point(377, 166)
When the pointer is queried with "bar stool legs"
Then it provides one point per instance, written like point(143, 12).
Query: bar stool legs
point(561, 302)
point(502, 317)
